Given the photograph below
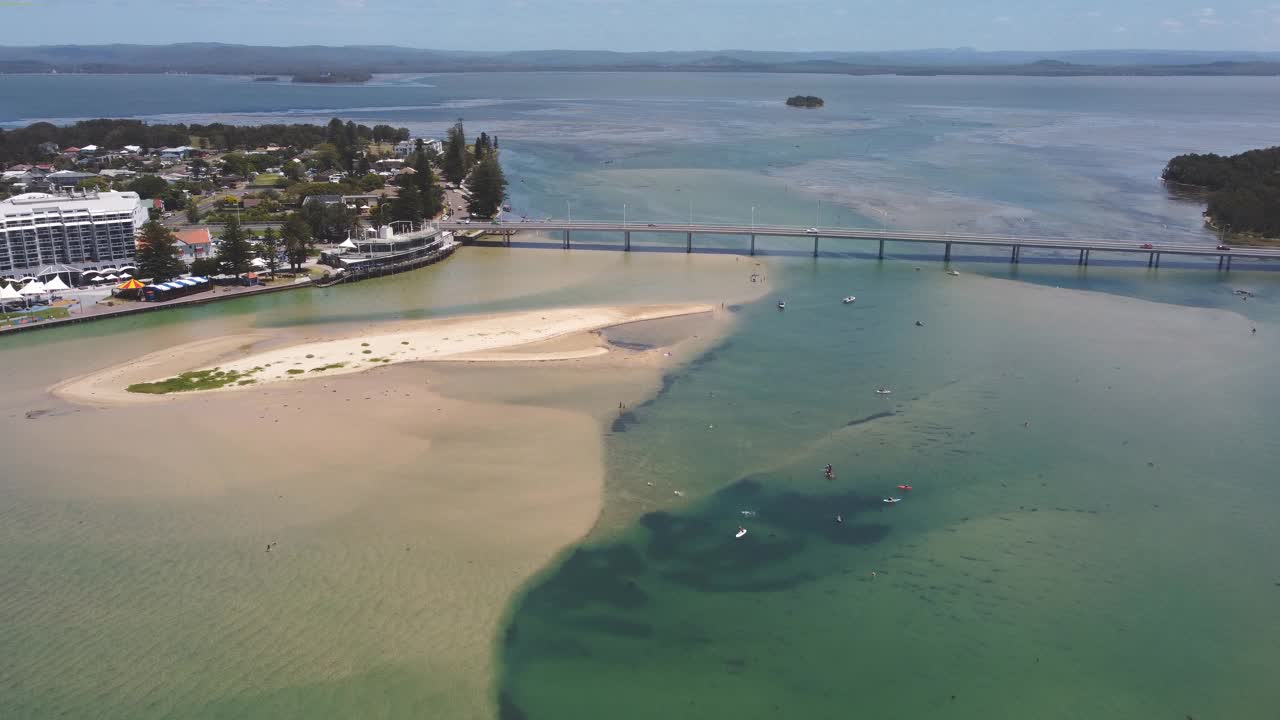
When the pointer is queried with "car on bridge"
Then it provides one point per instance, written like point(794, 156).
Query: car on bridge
point(812, 231)
point(1224, 247)
point(1147, 246)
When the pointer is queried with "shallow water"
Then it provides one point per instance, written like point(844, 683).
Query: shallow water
point(1106, 560)
point(1110, 558)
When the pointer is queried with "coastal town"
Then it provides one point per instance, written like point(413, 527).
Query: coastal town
point(106, 228)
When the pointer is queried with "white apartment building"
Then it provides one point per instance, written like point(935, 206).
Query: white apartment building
point(38, 229)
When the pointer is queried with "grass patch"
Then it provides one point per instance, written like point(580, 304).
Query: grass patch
point(295, 371)
point(310, 356)
point(188, 382)
point(250, 381)
point(367, 352)
point(330, 366)
point(267, 180)
point(364, 344)
point(404, 342)
point(52, 313)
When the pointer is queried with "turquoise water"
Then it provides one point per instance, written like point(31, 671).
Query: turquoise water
point(1109, 559)
point(1090, 529)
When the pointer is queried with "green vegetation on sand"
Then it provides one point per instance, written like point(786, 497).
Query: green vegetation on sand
point(190, 382)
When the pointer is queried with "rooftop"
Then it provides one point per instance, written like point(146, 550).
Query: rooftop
point(93, 202)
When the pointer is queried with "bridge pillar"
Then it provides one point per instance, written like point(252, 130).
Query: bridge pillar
point(566, 239)
point(1157, 259)
point(1086, 256)
point(1013, 253)
point(508, 235)
point(626, 241)
point(1081, 260)
point(1228, 263)
point(815, 246)
point(947, 256)
point(881, 255)
point(688, 243)
point(1151, 259)
point(753, 243)
point(1221, 260)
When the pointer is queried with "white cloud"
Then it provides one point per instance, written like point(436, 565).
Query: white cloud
point(1119, 29)
point(1205, 12)
point(1171, 25)
point(1094, 14)
point(1003, 20)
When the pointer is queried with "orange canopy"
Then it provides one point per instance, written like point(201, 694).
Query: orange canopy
point(132, 284)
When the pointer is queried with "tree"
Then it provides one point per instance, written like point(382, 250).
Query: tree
point(193, 211)
point(408, 204)
point(199, 167)
point(233, 249)
point(488, 188)
point(158, 253)
point(456, 161)
point(204, 266)
point(430, 193)
point(296, 235)
point(481, 148)
point(269, 248)
point(148, 186)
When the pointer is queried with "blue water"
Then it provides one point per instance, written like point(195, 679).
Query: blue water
point(1091, 528)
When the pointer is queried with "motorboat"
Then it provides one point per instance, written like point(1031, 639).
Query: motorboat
point(849, 300)
point(884, 391)
point(782, 305)
point(892, 500)
point(953, 273)
point(741, 531)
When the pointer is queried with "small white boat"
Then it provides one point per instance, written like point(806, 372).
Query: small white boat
point(748, 513)
point(782, 305)
point(849, 300)
point(741, 531)
point(677, 493)
point(953, 273)
point(883, 391)
point(892, 500)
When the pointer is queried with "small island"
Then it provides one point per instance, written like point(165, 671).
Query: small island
point(266, 78)
point(1242, 191)
point(805, 101)
point(333, 77)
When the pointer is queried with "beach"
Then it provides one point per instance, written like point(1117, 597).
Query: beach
point(486, 338)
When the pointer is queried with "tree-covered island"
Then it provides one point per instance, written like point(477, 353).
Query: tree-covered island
point(805, 101)
point(1243, 191)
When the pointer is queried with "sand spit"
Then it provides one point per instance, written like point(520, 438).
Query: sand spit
point(479, 338)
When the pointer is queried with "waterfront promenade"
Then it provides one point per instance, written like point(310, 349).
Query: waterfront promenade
point(848, 239)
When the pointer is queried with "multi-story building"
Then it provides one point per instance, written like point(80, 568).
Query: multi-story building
point(37, 229)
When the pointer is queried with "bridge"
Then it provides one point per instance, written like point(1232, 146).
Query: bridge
point(1013, 243)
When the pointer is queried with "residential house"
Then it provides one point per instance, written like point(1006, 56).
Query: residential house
point(67, 178)
point(194, 244)
point(405, 148)
point(116, 174)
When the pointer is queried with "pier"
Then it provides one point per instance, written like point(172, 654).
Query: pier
point(851, 237)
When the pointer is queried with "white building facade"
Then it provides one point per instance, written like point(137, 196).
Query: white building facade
point(37, 229)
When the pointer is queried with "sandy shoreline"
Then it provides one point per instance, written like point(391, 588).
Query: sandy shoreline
point(480, 338)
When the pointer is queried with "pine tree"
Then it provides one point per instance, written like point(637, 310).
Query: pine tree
point(269, 248)
point(482, 148)
point(456, 161)
point(430, 192)
point(408, 204)
point(488, 188)
point(158, 253)
point(233, 249)
point(297, 240)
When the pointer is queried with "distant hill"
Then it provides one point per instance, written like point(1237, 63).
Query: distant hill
point(218, 58)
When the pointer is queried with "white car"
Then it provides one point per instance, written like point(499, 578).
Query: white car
point(812, 231)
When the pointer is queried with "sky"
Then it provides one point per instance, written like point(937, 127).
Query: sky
point(630, 25)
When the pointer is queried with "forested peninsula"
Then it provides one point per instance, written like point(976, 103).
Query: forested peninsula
point(1243, 191)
